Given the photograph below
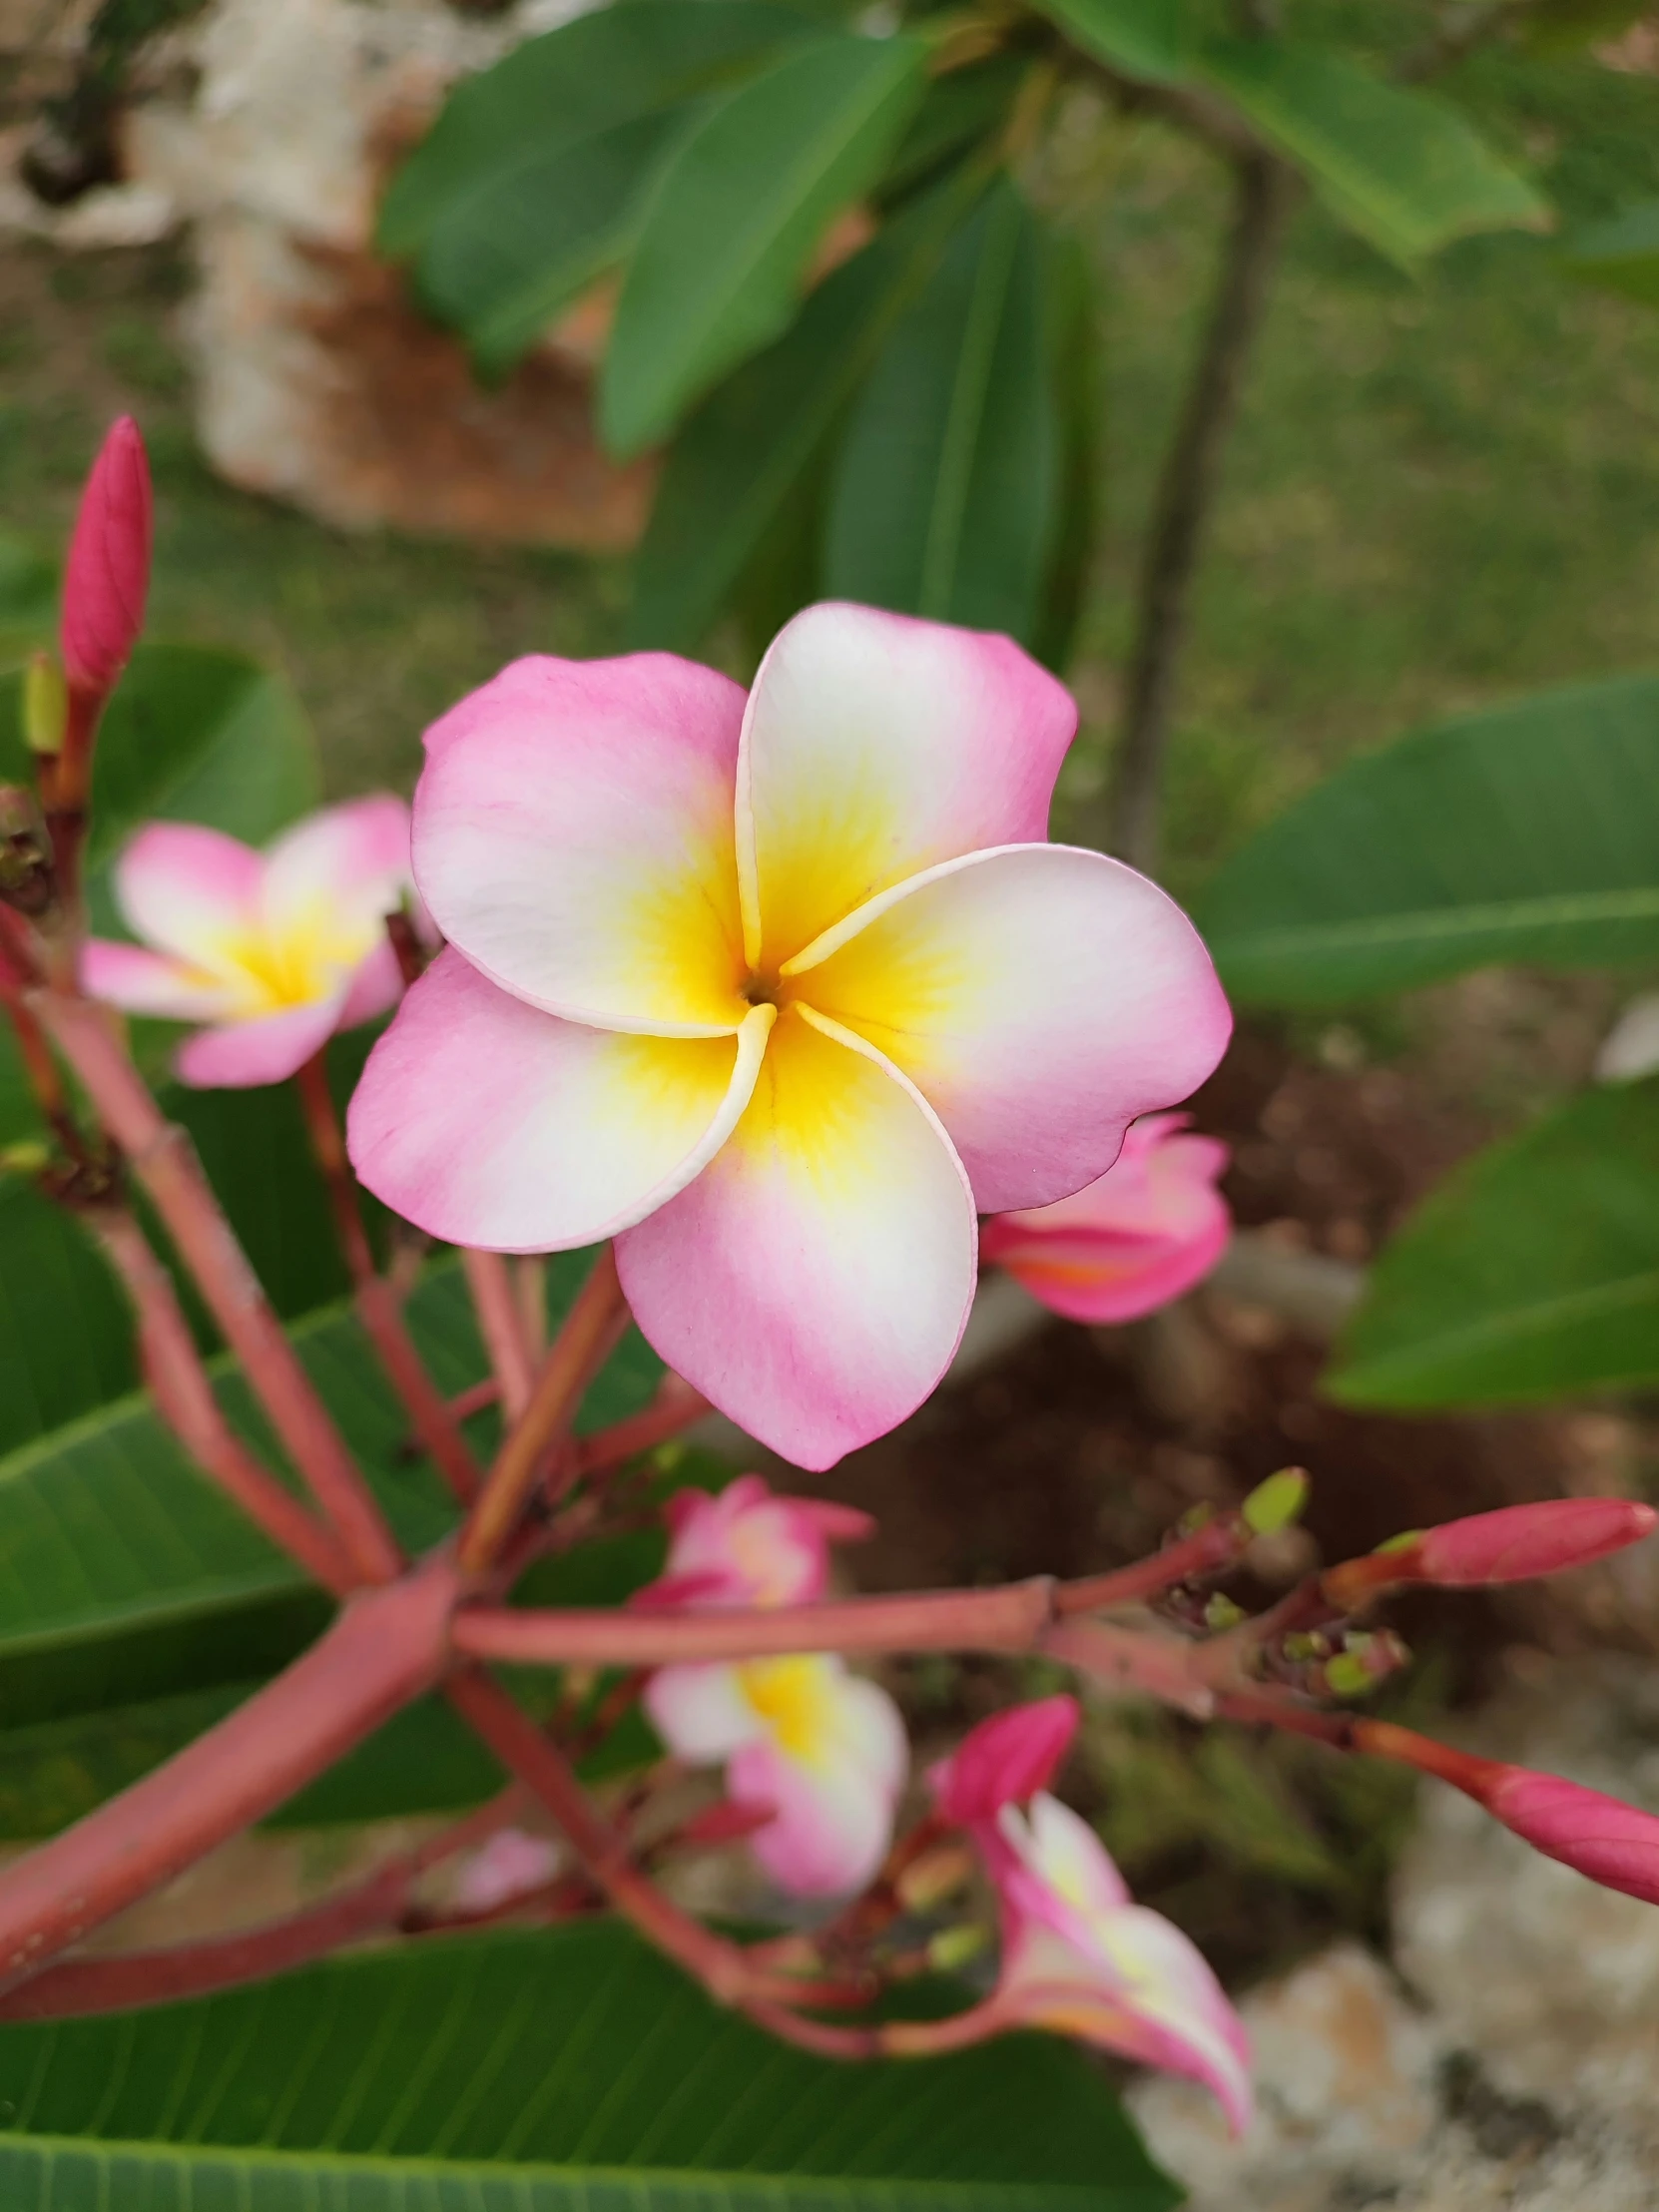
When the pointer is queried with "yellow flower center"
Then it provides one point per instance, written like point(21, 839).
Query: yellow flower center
point(794, 1699)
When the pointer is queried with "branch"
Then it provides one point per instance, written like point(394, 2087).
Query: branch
point(590, 1331)
point(385, 1648)
point(376, 1303)
point(1263, 191)
point(675, 1408)
point(500, 1324)
point(184, 1399)
point(164, 1162)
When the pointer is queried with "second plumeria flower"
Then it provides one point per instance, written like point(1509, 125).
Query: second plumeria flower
point(268, 952)
point(747, 1546)
point(1138, 1236)
point(1078, 1955)
point(779, 992)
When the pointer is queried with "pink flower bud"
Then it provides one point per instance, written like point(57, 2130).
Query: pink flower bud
point(1521, 1541)
point(108, 574)
point(1614, 1844)
point(1148, 1229)
point(1005, 1760)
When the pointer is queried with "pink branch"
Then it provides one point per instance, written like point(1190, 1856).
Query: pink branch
point(501, 1326)
point(185, 1398)
point(164, 1162)
point(591, 1328)
point(385, 1648)
point(674, 1409)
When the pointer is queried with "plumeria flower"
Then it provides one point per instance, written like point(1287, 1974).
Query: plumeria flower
point(270, 952)
point(820, 1749)
point(778, 994)
point(748, 1547)
point(1078, 1955)
point(1148, 1229)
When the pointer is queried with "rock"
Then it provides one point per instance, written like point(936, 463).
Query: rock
point(1515, 2064)
point(318, 382)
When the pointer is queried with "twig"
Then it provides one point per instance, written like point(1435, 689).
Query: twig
point(590, 1331)
point(1262, 193)
point(385, 1648)
point(164, 1162)
point(674, 1409)
point(184, 1399)
point(375, 1300)
point(501, 1326)
point(526, 1752)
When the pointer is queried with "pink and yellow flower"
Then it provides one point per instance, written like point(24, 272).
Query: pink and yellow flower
point(1078, 1955)
point(822, 1750)
point(1148, 1229)
point(778, 993)
point(747, 1546)
point(269, 952)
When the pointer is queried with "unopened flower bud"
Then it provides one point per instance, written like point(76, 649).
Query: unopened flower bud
point(107, 578)
point(952, 1947)
point(936, 1874)
point(45, 704)
point(26, 1157)
point(1363, 1663)
point(1276, 1503)
point(1515, 1544)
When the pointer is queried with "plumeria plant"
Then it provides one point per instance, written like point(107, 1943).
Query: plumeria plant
point(762, 1002)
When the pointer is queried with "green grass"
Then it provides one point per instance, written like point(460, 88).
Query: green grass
point(1440, 491)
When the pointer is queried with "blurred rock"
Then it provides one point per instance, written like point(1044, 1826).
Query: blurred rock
point(1517, 2064)
point(318, 383)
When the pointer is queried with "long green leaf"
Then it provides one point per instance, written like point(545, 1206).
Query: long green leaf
point(1401, 167)
point(565, 2071)
point(736, 218)
point(124, 1576)
point(946, 491)
point(1528, 832)
point(1620, 254)
point(1151, 39)
point(1532, 1273)
point(735, 463)
point(611, 66)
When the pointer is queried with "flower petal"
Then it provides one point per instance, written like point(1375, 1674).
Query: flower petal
point(340, 871)
point(813, 1282)
point(1039, 997)
point(489, 1123)
point(832, 1809)
point(376, 985)
point(875, 746)
point(189, 891)
point(142, 982)
point(700, 1709)
point(573, 835)
point(266, 1050)
point(1005, 1760)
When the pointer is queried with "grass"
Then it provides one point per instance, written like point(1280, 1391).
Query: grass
point(1443, 489)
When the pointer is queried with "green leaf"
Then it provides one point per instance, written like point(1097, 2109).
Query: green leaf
point(1533, 1272)
point(523, 246)
point(734, 465)
point(946, 489)
point(28, 600)
point(1620, 254)
point(959, 112)
point(124, 1576)
point(555, 94)
point(735, 220)
point(1404, 168)
point(1527, 833)
point(1151, 39)
point(66, 1339)
point(1078, 379)
point(551, 2072)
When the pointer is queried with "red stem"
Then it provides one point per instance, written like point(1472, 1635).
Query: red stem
point(385, 1648)
point(1215, 1544)
point(165, 1163)
point(185, 1398)
point(591, 1328)
point(376, 1303)
point(673, 1409)
point(501, 1326)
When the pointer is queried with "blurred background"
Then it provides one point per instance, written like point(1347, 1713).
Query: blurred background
point(1369, 452)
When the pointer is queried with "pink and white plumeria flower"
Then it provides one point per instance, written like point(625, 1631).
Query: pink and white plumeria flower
point(270, 952)
point(778, 993)
point(1148, 1229)
point(821, 1749)
point(747, 1546)
point(1078, 1955)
